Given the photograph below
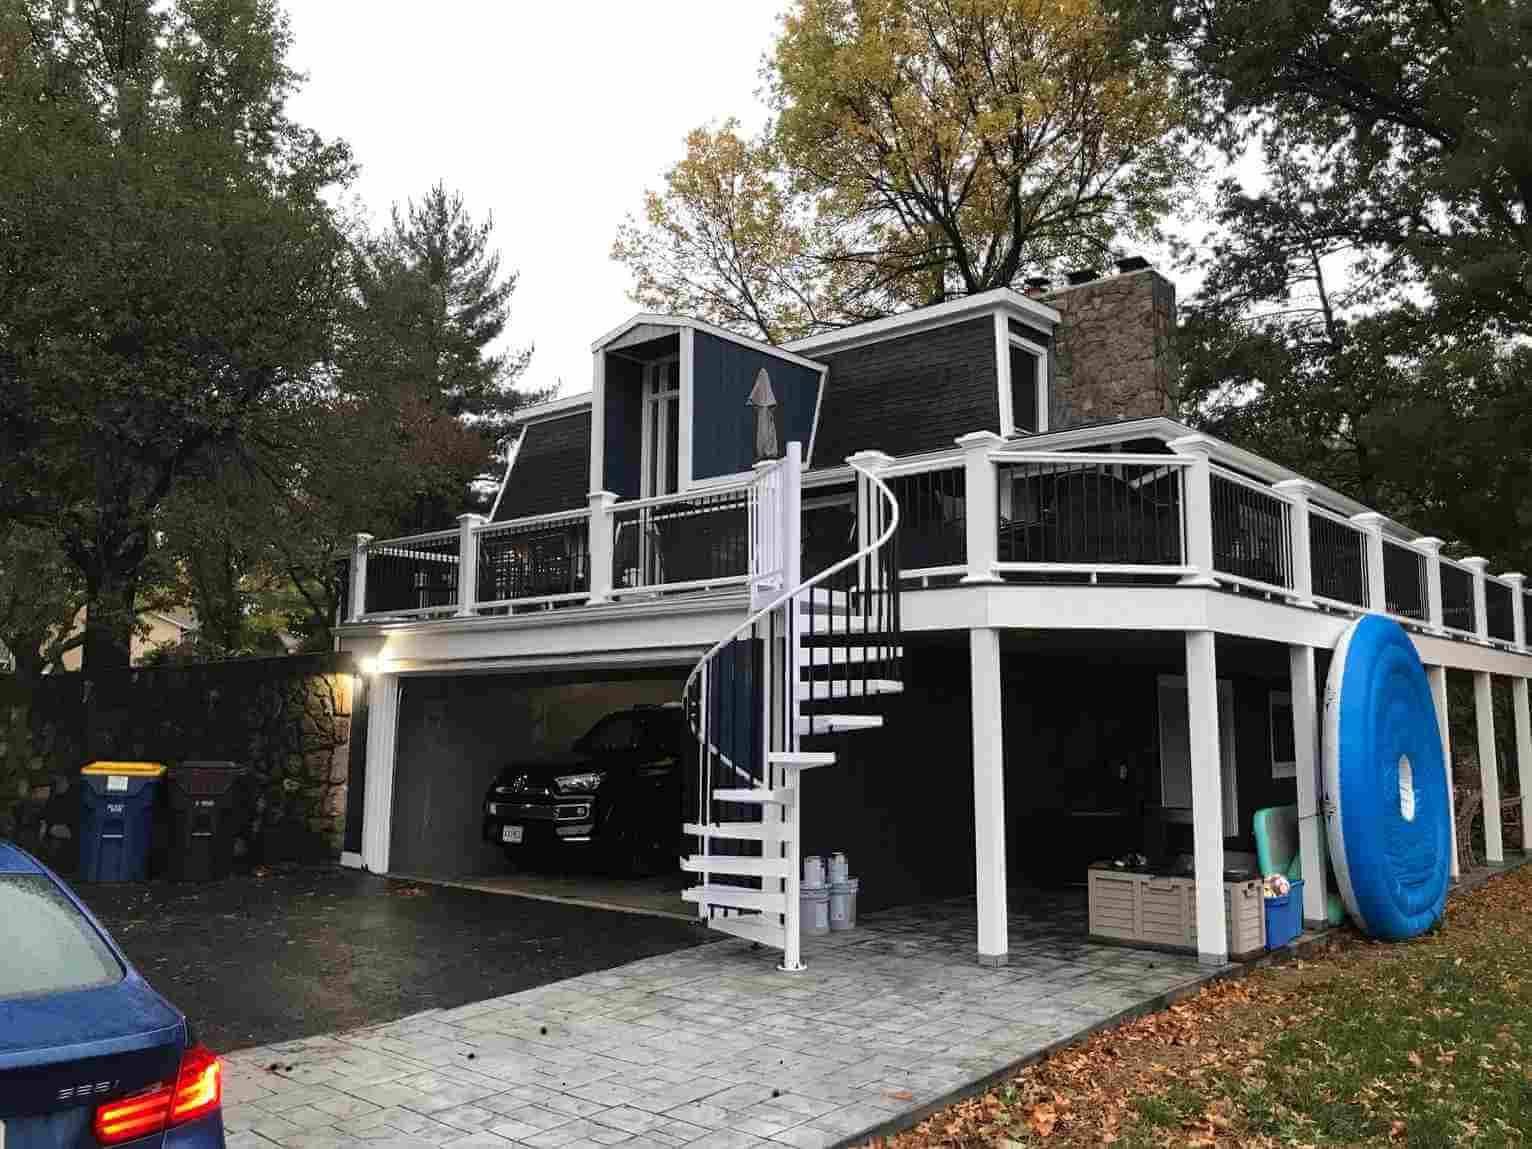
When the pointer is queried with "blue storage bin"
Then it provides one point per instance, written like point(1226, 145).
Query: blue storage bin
point(1284, 916)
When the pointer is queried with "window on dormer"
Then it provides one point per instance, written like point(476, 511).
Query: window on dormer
point(1028, 383)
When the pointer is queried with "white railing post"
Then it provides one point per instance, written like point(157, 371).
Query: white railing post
point(599, 547)
point(1371, 525)
point(358, 597)
point(1197, 508)
point(1480, 620)
point(1518, 608)
point(981, 505)
point(1432, 548)
point(1298, 492)
point(468, 564)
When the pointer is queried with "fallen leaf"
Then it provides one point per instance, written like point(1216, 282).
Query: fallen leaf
point(1042, 1119)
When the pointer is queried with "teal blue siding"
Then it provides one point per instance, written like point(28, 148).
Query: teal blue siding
point(723, 427)
point(623, 408)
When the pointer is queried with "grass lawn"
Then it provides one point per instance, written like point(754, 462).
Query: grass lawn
point(1420, 1043)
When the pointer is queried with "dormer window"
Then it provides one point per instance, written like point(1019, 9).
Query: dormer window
point(1029, 386)
point(662, 427)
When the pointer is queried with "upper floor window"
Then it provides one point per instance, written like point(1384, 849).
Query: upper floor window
point(1029, 386)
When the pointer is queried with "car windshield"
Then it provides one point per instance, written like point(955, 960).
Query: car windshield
point(50, 946)
point(615, 732)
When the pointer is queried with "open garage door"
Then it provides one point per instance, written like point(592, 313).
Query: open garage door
point(457, 732)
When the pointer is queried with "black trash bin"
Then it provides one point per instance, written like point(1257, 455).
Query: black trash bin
point(117, 820)
point(203, 820)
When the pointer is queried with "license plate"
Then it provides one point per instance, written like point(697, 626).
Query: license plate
point(511, 834)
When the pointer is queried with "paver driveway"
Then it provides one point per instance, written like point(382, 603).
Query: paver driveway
point(254, 960)
point(710, 1047)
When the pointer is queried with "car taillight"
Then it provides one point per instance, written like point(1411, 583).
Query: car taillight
point(197, 1092)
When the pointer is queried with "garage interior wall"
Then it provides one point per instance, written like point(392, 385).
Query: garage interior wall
point(457, 732)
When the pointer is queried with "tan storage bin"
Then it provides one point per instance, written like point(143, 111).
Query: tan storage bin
point(1167, 913)
point(1161, 912)
point(1113, 905)
point(1244, 916)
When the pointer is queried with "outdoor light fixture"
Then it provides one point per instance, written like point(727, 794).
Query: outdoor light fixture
point(371, 666)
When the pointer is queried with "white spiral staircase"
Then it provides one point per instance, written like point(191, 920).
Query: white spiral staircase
point(782, 676)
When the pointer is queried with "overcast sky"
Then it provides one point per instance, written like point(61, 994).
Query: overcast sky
point(554, 116)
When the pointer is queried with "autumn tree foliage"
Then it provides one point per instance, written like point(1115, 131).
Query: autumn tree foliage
point(1365, 303)
point(919, 149)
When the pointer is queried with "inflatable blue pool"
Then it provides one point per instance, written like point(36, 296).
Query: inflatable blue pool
point(1385, 783)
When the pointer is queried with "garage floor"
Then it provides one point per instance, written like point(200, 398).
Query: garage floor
point(711, 1047)
point(659, 896)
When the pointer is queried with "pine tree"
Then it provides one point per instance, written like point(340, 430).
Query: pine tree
point(434, 288)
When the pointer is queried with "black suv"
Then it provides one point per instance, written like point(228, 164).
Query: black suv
point(617, 791)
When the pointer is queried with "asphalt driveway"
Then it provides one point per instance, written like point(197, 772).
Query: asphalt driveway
point(260, 959)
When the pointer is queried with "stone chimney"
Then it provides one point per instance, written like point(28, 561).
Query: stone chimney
point(1115, 347)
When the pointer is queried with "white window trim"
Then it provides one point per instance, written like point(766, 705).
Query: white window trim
point(1274, 699)
point(657, 401)
point(1229, 767)
point(1005, 339)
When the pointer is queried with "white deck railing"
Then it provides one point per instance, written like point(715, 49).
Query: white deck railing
point(717, 536)
point(989, 510)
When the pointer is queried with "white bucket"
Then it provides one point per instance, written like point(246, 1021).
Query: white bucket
point(813, 870)
point(814, 910)
point(839, 871)
point(843, 904)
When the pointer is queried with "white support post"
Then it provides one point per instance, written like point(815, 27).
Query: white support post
point(1311, 827)
point(357, 605)
point(981, 504)
point(989, 794)
point(378, 796)
point(1371, 525)
point(1207, 796)
point(1197, 514)
point(1437, 677)
point(1433, 552)
point(1523, 719)
point(1489, 765)
point(790, 540)
point(599, 546)
point(468, 564)
point(1480, 621)
point(1518, 608)
point(1298, 492)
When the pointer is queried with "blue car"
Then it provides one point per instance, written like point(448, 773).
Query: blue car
point(90, 1055)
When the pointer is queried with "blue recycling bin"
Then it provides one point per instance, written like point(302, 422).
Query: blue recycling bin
point(117, 820)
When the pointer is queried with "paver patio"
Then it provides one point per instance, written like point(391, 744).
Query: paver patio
point(710, 1047)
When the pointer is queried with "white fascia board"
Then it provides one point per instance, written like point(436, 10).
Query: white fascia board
point(1011, 303)
point(510, 462)
point(552, 409)
point(681, 321)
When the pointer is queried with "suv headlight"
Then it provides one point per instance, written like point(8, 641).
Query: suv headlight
point(579, 783)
